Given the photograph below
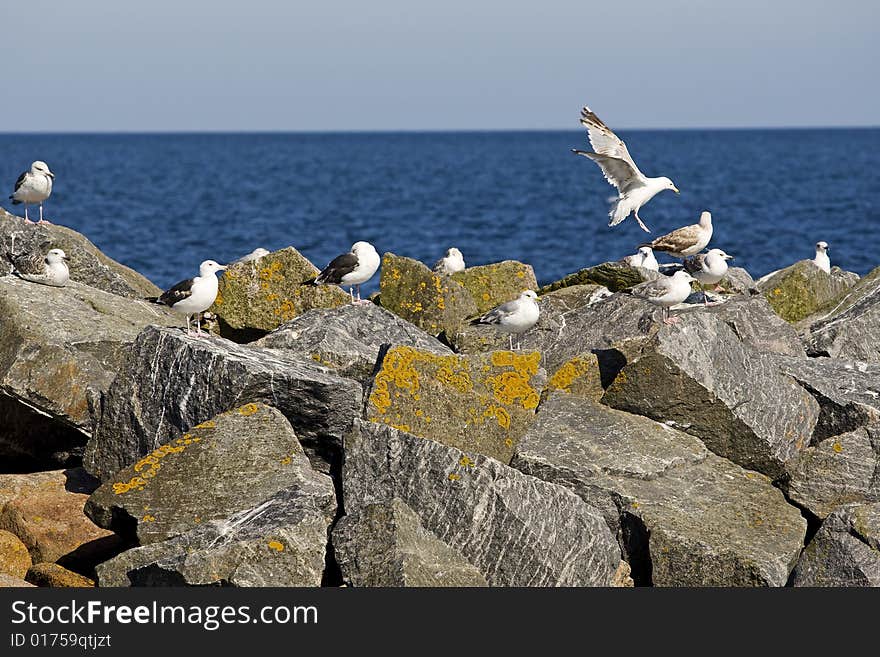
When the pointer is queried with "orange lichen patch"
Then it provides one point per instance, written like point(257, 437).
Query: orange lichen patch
point(454, 477)
point(514, 386)
point(286, 310)
point(148, 518)
point(569, 373)
point(837, 447)
point(208, 424)
point(248, 409)
point(278, 546)
point(149, 466)
point(287, 460)
point(466, 462)
point(520, 274)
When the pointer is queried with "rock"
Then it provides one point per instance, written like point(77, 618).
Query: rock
point(58, 346)
point(755, 324)
point(496, 283)
point(348, 339)
point(579, 376)
point(436, 304)
point(474, 339)
point(226, 465)
point(171, 382)
point(385, 544)
point(8, 581)
point(837, 471)
point(684, 516)
point(87, 264)
point(516, 530)
point(14, 556)
point(698, 376)
point(45, 515)
point(802, 288)
point(477, 403)
point(259, 296)
point(845, 551)
point(738, 280)
point(53, 575)
point(615, 276)
point(848, 393)
point(622, 577)
point(280, 542)
point(848, 326)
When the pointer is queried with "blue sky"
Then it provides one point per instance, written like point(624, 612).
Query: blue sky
point(95, 65)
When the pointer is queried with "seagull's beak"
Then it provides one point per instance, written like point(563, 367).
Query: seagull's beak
point(223, 267)
point(728, 257)
point(50, 174)
point(675, 189)
point(67, 258)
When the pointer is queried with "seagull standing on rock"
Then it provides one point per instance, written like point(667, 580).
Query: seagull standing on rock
point(194, 295)
point(450, 263)
point(33, 186)
point(514, 317)
point(644, 259)
point(351, 269)
point(666, 291)
point(50, 269)
point(610, 153)
point(685, 241)
point(708, 269)
point(822, 261)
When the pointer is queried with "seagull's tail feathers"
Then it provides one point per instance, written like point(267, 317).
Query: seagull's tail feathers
point(312, 281)
point(14, 200)
point(620, 210)
point(153, 299)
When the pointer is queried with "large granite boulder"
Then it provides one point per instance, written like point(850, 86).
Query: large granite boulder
point(59, 346)
point(54, 575)
point(684, 516)
point(218, 468)
point(45, 511)
point(615, 276)
point(849, 326)
point(755, 324)
point(258, 296)
point(477, 403)
point(517, 530)
point(385, 544)
point(348, 339)
point(433, 302)
point(170, 382)
point(697, 375)
point(845, 551)
point(802, 288)
point(87, 264)
point(837, 471)
point(496, 283)
point(15, 560)
point(280, 542)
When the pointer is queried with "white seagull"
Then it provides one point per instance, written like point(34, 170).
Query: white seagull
point(610, 153)
point(708, 269)
point(687, 240)
point(33, 186)
point(351, 269)
point(644, 259)
point(194, 295)
point(514, 317)
point(822, 261)
point(666, 291)
point(450, 263)
point(50, 269)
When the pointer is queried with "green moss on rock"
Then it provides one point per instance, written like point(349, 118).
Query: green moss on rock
point(801, 289)
point(613, 275)
point(496, 283)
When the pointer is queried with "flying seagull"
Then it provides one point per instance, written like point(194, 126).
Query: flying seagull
point(50, 269)
point(514, 317)
point(33, 186)
point(822, 261)
point(351, 269)
point(194, 295)
point(666, 291)
point(610, 153)
point(685, 241)
point(708, 269)
point(450, 263)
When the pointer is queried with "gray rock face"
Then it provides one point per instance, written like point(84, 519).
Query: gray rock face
point(755, 324)
point(87, 264)
point(517, 530)
point(845, 551)
point(228, 464)
point(385, 544)
point(849, 327)
point(698, 375)
point(348, 339)
point(280, 542)
point(684, 516)
point(738, 280)
point(58, 346)
point(837, 471)
point(848, 393)
point(171, 382)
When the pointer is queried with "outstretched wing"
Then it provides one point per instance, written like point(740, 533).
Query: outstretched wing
point(618, 172)
point(604, 141)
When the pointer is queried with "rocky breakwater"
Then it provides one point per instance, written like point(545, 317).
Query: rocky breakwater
point(394, 445)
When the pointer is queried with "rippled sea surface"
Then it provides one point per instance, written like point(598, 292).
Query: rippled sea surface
point(163, 203)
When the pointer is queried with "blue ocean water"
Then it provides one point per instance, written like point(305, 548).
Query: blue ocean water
point(163, 203)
